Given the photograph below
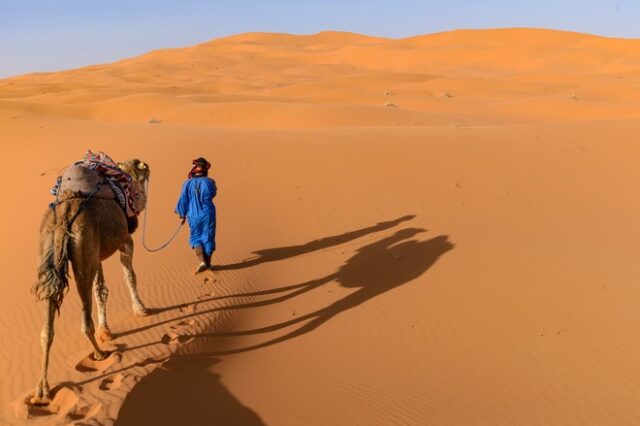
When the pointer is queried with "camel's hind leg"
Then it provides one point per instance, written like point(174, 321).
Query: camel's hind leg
point(42, 396)
point(84, 283)
point(126, 259)
point(101, 292)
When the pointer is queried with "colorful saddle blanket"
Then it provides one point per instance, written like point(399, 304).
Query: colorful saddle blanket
point(84, 176)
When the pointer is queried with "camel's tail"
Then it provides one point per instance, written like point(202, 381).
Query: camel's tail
point(53, 272)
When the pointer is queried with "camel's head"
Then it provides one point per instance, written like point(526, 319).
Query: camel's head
point(139, 172)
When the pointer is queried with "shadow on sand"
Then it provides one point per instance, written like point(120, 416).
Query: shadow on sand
point(185, 392)
point(269, 255)
point(280, 253)
point(375, 269)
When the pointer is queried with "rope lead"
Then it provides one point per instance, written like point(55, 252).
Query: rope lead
point(144, 227)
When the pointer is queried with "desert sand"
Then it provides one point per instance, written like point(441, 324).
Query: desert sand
point(438, 230)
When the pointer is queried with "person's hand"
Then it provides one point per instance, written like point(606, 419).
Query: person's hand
point(182, 219)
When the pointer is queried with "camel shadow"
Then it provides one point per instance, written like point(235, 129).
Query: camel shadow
point(185, 391)
point(281, 253)
point(374, 270)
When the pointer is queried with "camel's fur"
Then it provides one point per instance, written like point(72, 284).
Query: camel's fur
point(98, 232)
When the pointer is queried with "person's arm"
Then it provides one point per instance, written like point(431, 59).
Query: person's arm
point(214, 189)
point(182, 207)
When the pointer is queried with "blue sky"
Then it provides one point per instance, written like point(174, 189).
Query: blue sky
point(49, 35)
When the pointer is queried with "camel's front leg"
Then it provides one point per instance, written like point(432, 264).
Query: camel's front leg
point(101, 292)
point(126, 259)
point(42, 396)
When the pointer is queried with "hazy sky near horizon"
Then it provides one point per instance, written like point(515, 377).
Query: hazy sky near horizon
point(49, 35)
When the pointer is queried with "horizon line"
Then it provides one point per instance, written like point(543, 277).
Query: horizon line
point(231, 35)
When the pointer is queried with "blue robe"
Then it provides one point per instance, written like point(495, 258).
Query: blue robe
point(197, 206)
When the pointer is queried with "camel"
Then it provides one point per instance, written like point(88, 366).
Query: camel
point(98, 229)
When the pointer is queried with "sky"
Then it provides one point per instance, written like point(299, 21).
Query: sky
point(50, 35)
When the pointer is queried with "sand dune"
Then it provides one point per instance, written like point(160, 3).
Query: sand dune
point(434, 230)
point(419, 75)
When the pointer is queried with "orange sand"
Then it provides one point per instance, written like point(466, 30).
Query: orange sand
point(438, 230)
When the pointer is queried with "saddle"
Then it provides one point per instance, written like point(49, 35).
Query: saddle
point(84, 181)
point(97, 175)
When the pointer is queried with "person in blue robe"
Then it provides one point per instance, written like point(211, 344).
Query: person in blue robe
point(196, 206)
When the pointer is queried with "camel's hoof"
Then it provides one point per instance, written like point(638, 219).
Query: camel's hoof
point(40, 400)
point(104, 335)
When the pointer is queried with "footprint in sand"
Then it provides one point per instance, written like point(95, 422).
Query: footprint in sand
point(189, 308)
point(169, 338)
point(204, 296)
point(177, 334)
point(89, 364)
point(184, 323)
point(151, 361)
point(84, 412)
point(207, 281)
point(112, 382)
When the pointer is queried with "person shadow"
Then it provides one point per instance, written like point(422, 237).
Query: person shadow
point(185, 391)
point(374, 270)
point(281, 253)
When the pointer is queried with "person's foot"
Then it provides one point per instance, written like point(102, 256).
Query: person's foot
point(202, 267)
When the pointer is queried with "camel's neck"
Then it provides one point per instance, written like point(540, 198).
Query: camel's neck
point(142, 194)
point(139, 172)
